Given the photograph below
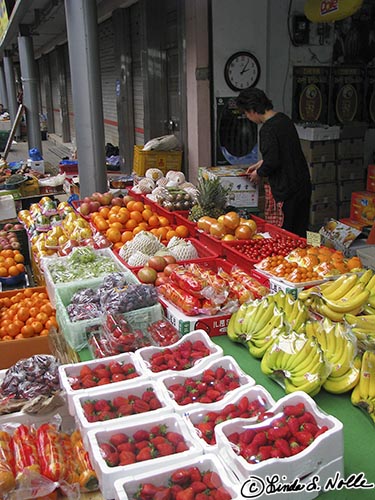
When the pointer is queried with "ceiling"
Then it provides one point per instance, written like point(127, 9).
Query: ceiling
point(45, 20)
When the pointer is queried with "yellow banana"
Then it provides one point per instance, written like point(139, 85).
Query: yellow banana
point(240, 317)
point(258, 350)
point(311, 387)
point(371, 368)
point(339, 385)
point(326, 311)
point(343, 286)
point(278, 298)
point(233, 336)
point(273, 327)
point(301, 348)
point(367, 309)
point(299, 317)
point(313, 366)
point(371, 284)
point(366, 277)
point(371, 300)
point(268, 362)
point(259, 317)
point(364, 382)
point(288, 304)
point(345, 305)
point(365, 322)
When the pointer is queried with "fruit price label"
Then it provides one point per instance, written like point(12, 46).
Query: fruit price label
point(313, 239)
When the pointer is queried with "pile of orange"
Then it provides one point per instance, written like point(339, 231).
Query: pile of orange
point(228, 227)
point(121, 224)
point(11, 263)
point(27, 313)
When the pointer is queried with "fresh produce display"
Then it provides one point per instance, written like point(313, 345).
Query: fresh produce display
point(8, 237)
point(196, 289)
point(114, 296)
point(245, 408)
point(123, 449)
point(186, 483)
point(211, 199)
point(212, 385)
point(309, 264)
point(11, 263)
point(99, 410)
point(82, 263)
point(363, 394)
point(25, 314)
point(102, 374)
point(260, 248)
point(50, 456)
point(346, 295)
point(228, 227)
point(283, 435)
point(163, 333)
point(145, 249)
point(30, 378)
point(181, 357)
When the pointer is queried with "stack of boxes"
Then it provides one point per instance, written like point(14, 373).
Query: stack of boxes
point(362, 205)
point(319, 147)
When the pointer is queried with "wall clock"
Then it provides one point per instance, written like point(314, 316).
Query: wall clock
point(242, 70)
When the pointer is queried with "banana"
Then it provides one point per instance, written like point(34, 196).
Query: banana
point(371, 367)
point(368, 309)
point(269, 359)
point(308, 292)
point(288, 304)
point(342, 287)
point(346, 304)
point(371, 284)
point(258, 351)
point(342, 357)
point(326, 311)
point(240, 316)
point(259, 317)
point(366, 277)
point(311, 387)
point(278, 298)
point(301, 316)
point(364, 322)
point(312, 367)
point(371, 300)
point(364, 382)
point(273, 327)
point(298, 352)
point(347, 381)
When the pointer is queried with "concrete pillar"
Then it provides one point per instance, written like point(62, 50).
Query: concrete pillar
point(30, 91)
point(82, 30)
point(11, 90)
point(3, 88)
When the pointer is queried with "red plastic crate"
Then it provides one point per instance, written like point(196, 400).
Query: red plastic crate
point(136, 196)
point(181, 217)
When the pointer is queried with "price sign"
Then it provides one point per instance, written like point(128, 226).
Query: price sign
point(313, 239)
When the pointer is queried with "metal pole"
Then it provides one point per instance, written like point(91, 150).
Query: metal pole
point(11, 90)
point(30, 91)
point(3, 88)
point(82, 30)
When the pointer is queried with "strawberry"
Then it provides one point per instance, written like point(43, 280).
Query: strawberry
point(174, 437)
point(107, 415)
point(304, 437)
point(186, 494)
point(141, 435)
point(144, 454)
point(293, 424)
point(198, 486)
point(219, 373)
point(247, 436)
point(295, 447)
point(88, 382)
point(147, 491)
point(208, 376)
point(115, 367)
point(140, 406)
point(104, 381)
point(118, 377)
point(222, 494)
point(213, 395)
point(165, 449)
point(106, 449)
point(283, 446)
point(186, 401)
point(118, 438)
point(307, 417)
point(234, 437)
point(139, 445)
point(195, 474)
point(163, 493)
point(113, 459)
point(174, 490)
point(102, 405)
point(274, 433)
point(260, 439)
point(180, 476)
point(127, 457)
point(243, 404)
point(264, 453)
point(126, 447)
point(118, 401)
point(132, 375)
point(85, 371)
point(158, 430)
point(101, 373)
point(228, 409)
point(128, 368)
point(294, 410)
point(148, 394)
point(124, 410)
point(154, 404)
point(309, 427)
point(205, 399)
point(158, 440)
point(206, 430)
point(322, 430)
point(211, 479)
point(88, 408)
point(181, 446)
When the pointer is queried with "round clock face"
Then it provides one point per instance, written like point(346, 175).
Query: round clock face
point(242, 70)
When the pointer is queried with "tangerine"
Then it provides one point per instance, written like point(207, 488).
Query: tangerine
point(182, 231)
point(113, 234)
point(27, 331)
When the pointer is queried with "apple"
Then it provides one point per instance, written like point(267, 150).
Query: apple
point(18, 227)
point(8, 227)
point(95, 196)
point(84, 208)
point(105, 199)
point(117, 201)
point(94, 206)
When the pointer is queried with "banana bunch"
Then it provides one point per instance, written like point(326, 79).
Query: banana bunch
point(296, 312)
point(260, 339)
point(339, 351)
point(363, 394)
point(348, 294)
point(296, 362)
point(363, 327)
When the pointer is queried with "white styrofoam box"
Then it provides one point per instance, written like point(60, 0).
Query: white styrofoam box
point(108, 475)
point(7, 207)
point(36, 165)
point(318, 133)
point(227, 362)
point(126, 488)
point(110, 393)
point(326, 448)
point(195, 416)
point(145, 353)
point(68, 372)
point(48, 262)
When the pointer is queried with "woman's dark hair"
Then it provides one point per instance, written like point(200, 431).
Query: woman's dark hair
point(253, 99)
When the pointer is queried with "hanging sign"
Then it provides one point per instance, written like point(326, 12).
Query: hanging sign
point(327, 11)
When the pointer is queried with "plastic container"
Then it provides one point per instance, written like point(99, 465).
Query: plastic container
point(48, 262)
point(145, 353)
point(325, 454)
point(163, 160)
point(227, 362)
point(68, 372)
point(193, 417)
point(108, 475)
point(126, 488)
point(181, 217)
point(110, 393)
point(69, 167)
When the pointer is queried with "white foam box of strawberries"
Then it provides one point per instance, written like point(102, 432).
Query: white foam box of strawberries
point(308, 469)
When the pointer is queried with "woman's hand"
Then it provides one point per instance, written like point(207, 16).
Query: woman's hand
point(251, 172)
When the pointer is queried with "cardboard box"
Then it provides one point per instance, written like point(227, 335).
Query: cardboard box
point(350, 169)
point(350, 148)
point(214, 325)
point(242, 192)
point(370, 181)
point(353, 223)
point(318, 151)
point(324, 193)
point(318, 133)
point(322, 172)
point(321, 213)
point(362, 207)
point(12, 351)
point(343, 209)
point(346, 188)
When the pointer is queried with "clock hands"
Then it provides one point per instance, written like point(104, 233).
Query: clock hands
point(245, 68)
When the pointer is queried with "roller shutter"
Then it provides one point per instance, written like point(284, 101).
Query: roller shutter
point(136, 41)
point(107, 69)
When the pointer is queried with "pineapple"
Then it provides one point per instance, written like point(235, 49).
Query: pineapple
point(211, 199)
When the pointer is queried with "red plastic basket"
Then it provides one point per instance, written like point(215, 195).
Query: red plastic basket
point(181, 217)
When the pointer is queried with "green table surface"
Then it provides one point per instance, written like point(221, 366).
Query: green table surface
point(359, 430)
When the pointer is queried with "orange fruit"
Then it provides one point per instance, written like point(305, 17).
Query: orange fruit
point(47, 309)
point(117, 245)
point(130, 204)
point(136, 215)
point(13, 271)
point(117, 225)
point(126, 236)
point(163, 221)
point(231, 220)
point(37, 325)
point(42, 317)
point(19, 258)
point(131, 224)
point(115, 209)
point(139, 206)
point(154, 221)
point(170, 234)
point(147, 213)
point(3, 272)
point(23, 314)
point(243, 232)
point(113, 234)
point(27, 331)
point(182, 231)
